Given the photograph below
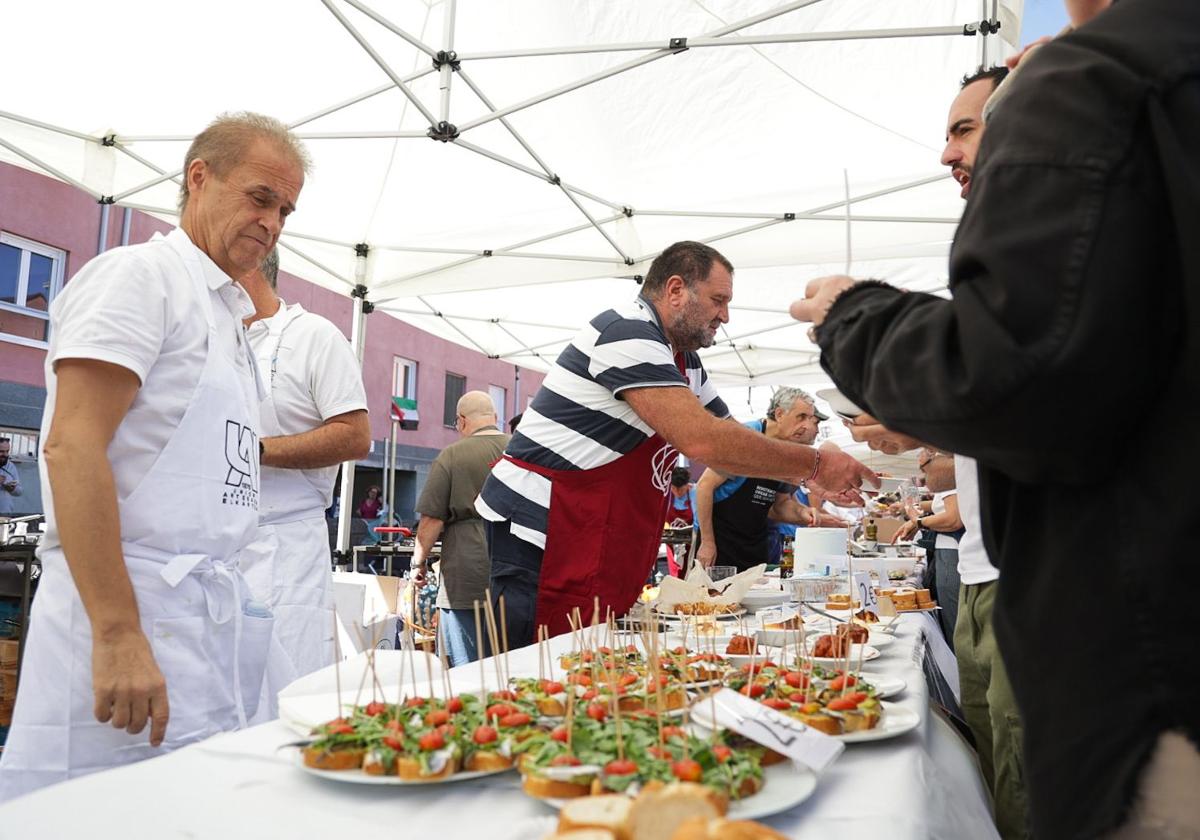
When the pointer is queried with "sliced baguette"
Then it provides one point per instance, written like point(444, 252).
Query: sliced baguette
point(654, 816)
point(697, 828)
point(609, 811)
point(543, 788)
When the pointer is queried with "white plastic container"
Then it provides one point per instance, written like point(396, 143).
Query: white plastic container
point(812, 544)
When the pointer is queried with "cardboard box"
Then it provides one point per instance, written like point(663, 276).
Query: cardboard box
point(366, 608)
point(886, 529)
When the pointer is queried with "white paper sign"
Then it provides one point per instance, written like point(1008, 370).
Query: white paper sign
point(772, 729)
point(865, 594)
point(882, 574)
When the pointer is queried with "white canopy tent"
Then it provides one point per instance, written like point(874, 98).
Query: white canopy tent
point(497, 172)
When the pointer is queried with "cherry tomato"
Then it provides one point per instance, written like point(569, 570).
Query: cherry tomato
point(565, 761)
point(431, 741)
point(499, 710)
point(454, 705)
point(722, 753)
point(619, 767)
point(516, 719)
point(340, 729)
point(503, 695)
point(414, 702)
point(597, 711)
point(394, 743)
point(559, 734)
point(687, 770)
point(681, 651)
point(795, 679)
point(841, 682)
point(796, 697)
point(580, 679)
point(631, 649)
point(753, 690)
point(437, 717)
point(394, 726)
point(842, 704)
point(375, 709)
point(484, 735)
point(777, 704)
point(604, 649)
point(673, 732)
point(627, 679)
point(590, 694)
point(551, 687)
point(659, 752)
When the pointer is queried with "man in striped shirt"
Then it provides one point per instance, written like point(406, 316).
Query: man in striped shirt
point(577, 503)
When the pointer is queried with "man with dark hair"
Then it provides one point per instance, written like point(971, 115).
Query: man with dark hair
point(1076, 264)
point(150, 468)
point(576, 506)
point(10, 479)
point(313, 418)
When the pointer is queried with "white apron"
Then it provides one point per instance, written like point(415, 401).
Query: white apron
point(182, 530)
point(293, 573)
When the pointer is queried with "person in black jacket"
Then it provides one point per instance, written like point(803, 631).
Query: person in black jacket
point(1077, 264)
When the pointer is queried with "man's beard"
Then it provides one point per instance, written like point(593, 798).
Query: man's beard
point(689, 330)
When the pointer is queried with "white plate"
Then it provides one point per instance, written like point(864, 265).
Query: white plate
point(885, 686)
point(358, 777)
point(763, 598)
point(839, 402)
point(874, 639)
point(784, 786)
point(896, 721)
point(868, 653)
point(721, 616)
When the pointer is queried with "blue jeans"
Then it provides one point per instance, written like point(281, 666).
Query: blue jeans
point(457, 629)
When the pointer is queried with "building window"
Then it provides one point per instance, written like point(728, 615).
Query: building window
point(23, 443)
point(31, 274)
point(499, 396)
point(456, 386)
point(404, 378)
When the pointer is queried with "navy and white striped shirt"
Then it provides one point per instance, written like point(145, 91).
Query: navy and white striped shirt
point(578, 421)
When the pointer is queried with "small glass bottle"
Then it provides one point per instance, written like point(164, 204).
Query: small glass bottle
point(787, 563)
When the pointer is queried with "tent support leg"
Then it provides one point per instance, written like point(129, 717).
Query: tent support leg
point(358, 339)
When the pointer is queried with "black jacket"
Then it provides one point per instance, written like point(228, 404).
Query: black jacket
point(1068, 364)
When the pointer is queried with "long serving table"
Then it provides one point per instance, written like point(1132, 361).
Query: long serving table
point(921, 785)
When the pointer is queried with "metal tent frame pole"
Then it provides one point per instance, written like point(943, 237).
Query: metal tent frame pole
point(358, 340)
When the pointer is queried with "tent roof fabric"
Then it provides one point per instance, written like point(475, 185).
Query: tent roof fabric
point(507, 236)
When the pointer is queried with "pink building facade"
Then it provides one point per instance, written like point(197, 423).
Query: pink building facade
point(49, 230)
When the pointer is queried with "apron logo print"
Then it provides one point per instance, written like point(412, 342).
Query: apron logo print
point(661, 465)
point(241, 454)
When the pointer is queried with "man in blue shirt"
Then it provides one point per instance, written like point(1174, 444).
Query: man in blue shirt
point(736, 514)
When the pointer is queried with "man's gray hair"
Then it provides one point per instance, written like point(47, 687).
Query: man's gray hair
point(785, 398)
point(270, 267)
point(223, 144)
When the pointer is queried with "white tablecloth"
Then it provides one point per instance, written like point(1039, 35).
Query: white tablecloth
point(923, 785)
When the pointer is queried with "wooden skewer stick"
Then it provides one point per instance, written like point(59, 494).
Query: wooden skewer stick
point(616, 705)
point(541, 662)
point(445, 672)
point(412, 652)
point(501, 683)
point(504, 639)
point(479, 649)
point(429, 672)
point(337, 664)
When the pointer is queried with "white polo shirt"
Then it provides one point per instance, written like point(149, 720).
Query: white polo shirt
point(939, 506)
point(134, 307)
point(974, 567)
point(312, 375)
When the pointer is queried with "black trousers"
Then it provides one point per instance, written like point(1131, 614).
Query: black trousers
point(516, 568)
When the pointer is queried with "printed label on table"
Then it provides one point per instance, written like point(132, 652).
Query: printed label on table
point(774, 730)
point(862, 582)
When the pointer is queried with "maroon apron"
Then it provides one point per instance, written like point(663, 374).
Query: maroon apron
point(603, 533)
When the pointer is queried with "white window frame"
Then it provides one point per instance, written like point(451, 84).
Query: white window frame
point(398, 364)
point(58, 264)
